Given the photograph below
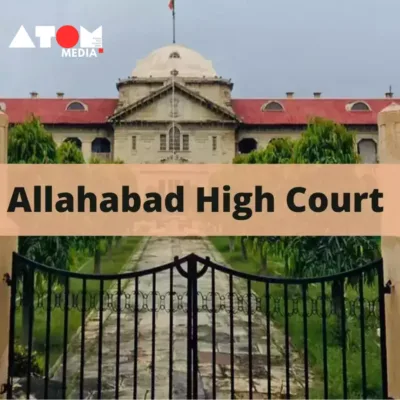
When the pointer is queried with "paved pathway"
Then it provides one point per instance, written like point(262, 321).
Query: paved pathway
point(160, 251)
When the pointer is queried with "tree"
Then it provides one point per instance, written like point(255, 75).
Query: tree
point(278, 151)
point(30, 143)
point(325, 142)
point(69, 153)
point(262, 245)
point(97, 244)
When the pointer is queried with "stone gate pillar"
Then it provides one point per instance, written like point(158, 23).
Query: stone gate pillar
point(7, 246)
point(389, 153)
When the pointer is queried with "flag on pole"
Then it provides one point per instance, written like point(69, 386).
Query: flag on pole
point(171, 4)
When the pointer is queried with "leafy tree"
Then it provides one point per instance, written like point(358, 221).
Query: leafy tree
point(325, 142)
point(240, 159)
point(278, 151)
point(97, 244)
point(262, 245)
point(69, 153)
point(30, 143)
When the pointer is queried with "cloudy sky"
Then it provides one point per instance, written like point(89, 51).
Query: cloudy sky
point(343, 48)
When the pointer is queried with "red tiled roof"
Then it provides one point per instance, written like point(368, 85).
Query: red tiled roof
point(299, 111)
point(53, 111)
point(296, 111)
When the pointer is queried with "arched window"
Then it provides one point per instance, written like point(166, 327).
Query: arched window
point(101, 145)
point(272, 106)
point(247, 145)
point(175, 54)
point(76, 106)
point(76, 141)
point(360, 106)
point(367, 149)
point(174, 139)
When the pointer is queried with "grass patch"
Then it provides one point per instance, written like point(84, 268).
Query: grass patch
point(111, 264)
point(314, 326)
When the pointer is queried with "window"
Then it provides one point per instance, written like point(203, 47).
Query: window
point(76, 106)
point(185, 142)
point(214, 143)
point(163, 142)
point(367, 149)
point(174, 139)
point(101, 145)
point(133, 142)
point(247, 145)
point(76, 141)
point(360, 106)
point(174, 55)
point(272, 106)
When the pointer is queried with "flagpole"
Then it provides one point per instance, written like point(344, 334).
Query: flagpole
point(173, 22)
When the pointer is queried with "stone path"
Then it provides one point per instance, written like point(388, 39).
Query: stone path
point(160, 251)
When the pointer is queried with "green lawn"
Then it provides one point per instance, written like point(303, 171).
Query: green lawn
point(110, 265)
point(314, 325)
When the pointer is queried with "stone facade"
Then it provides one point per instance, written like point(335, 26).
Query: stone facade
point(174, 108)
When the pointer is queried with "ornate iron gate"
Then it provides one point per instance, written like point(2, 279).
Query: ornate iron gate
point(195, 329)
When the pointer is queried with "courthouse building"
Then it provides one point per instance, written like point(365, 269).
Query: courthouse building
point(176, 108)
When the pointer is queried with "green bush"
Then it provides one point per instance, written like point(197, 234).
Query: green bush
point(21, 362)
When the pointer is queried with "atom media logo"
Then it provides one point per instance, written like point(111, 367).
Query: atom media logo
point(67, 37)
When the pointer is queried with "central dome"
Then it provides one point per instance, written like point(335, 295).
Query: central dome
point(161, 62)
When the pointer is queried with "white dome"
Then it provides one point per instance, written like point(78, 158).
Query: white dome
point(161, 62)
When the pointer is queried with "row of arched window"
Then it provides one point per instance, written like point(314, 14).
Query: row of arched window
point(270, 106)
point(276, 106)
point(99, 145)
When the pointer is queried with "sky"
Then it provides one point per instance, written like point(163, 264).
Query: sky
point(342, 48)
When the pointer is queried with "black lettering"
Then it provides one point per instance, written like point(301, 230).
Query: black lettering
point(153, 204)
point(178, 197)
point(126, 200)
point(345, 206)
point(48, 199)
point(375, 196)
point(213, 199)
point(65, 202)
point(323, 200)
point(260, 196)
point(358, 198)
point(226, 199)
point(241, 200)
point(82, 196)
point(109, 204)
point(37, 199)
point(15, 203)
point(290, 199)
